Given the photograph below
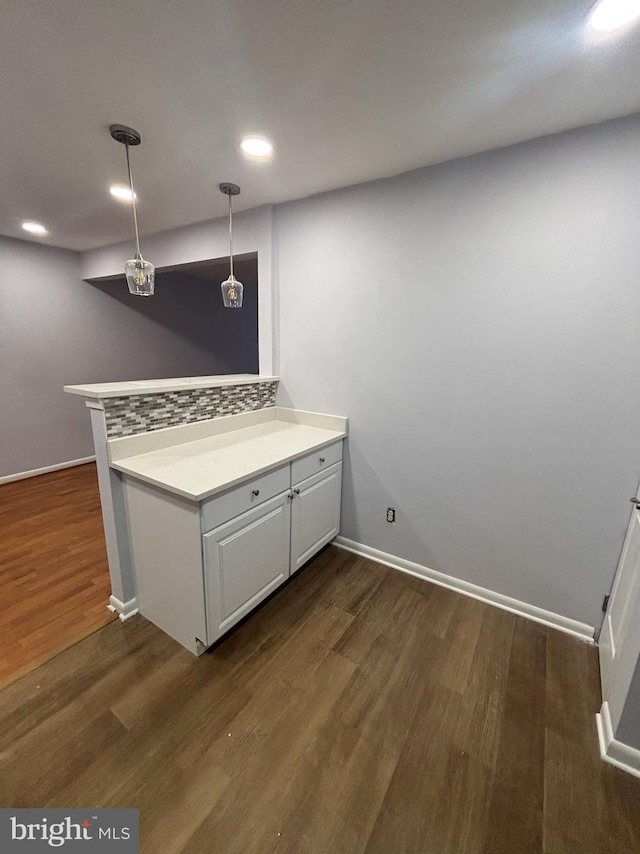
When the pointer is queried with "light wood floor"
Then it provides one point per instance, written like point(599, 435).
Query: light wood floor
point(359, 710)
point(54, 580)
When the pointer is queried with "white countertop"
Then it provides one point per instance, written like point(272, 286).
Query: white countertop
point(129, 389)
point(198, 469)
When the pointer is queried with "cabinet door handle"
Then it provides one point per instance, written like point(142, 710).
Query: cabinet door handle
point(255, 492)
point(322, 459)
point(296, 492)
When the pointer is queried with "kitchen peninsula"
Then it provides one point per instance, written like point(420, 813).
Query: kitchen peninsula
point(212, 496)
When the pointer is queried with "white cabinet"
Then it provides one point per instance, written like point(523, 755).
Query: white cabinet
point(249, 556)
point(315, 514)
point(201, 567)
point(245, 560)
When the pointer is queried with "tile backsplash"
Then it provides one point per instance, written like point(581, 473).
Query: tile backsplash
point(126, 416)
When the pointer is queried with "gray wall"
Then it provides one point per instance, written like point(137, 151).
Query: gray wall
point(56, 329)
point(479, 323)
point(201, 241)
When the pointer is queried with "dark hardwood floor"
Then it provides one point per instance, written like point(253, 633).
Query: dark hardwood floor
point(359, 710)
point(54, 579)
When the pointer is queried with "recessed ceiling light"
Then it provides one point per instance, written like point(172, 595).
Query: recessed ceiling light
point(256, 146)
point(34, 228)
point(119, 191)
point(609, 15)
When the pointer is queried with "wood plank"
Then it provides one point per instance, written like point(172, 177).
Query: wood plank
point(455, 666)
point(407, 819)
point(250, 813)
point(54, 579)
point(483, 701)
point(398, 717)
point(515, 809)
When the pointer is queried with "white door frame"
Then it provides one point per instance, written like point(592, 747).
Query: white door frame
point(619, 650)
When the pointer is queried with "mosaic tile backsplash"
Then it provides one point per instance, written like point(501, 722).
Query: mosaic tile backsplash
point(126, 416)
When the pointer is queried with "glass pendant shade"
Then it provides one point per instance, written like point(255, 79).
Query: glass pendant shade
point(140, 277)
point(140, 273)
point(232, 291)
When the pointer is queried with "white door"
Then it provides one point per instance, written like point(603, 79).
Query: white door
point(245, 560)
point(315, 514)
point(621, 627)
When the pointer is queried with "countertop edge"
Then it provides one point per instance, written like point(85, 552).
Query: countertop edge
point(135, 388)
point(338, 436)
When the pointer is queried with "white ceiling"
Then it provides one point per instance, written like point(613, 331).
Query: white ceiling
point(348, 90)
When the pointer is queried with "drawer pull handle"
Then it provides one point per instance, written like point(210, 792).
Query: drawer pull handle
point(322, 459)
point(255, 492)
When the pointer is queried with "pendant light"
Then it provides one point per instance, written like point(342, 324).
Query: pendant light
point(232, 289)
point(140, 273)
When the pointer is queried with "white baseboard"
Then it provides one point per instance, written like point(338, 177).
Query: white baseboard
point(615, 752)
point(515, 606)
point(125, 610)
point(21, 475)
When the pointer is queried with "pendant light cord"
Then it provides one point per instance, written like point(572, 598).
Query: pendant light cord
point(133, 202)
point(230, 238)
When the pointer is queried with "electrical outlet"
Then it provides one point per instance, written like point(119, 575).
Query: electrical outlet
point(391, 515)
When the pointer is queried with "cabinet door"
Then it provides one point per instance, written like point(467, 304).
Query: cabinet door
point(245, 560)
point(315, 514)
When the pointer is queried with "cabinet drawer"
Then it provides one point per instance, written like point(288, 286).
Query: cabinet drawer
point(220, 508)
point(315, 462)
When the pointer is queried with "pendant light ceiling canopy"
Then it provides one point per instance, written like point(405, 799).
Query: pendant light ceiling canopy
point(140, 273)
point(232, 289)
